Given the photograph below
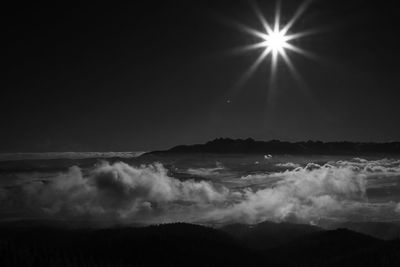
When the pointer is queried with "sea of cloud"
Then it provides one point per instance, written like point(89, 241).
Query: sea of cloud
point(124, 193)
point(67, 155)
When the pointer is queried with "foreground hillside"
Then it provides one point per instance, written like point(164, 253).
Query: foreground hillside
point(180, 244)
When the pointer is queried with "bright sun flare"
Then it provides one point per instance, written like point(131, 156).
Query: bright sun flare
point(275, 40)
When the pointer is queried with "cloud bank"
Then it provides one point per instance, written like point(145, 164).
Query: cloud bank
point(117, 191)
point(305, 193)
point(123, 193)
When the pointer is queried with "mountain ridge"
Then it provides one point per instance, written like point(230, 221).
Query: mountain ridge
point(249, 145)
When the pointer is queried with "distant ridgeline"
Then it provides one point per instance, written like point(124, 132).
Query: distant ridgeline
point(227, 145)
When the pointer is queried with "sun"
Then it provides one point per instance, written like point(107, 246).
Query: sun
point(276, 40)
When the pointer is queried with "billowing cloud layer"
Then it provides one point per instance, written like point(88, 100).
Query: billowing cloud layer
point(313, 193)
point(117, 191)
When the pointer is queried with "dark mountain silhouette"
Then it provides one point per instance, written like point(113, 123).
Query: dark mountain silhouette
point(340, 247)
point(227, 145)
point(320, 248)
point(382, 230)
point(268, 234)
point(182, 244)
point(164, 245)
point(385, 254)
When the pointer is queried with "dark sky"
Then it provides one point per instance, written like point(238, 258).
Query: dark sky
point(150, 76)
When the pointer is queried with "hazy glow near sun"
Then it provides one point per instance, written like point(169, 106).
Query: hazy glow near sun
point(276, 40)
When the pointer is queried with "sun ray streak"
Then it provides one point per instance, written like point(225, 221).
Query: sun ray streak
point(300, 51)
point(252, 31)
point(288, 62)
point(274, 63)
point(262, 19)
point(277, 16)
point(292, 68)
point(302, 8)
point(298, 35)
point(296, 75)
point(250, 47)
point(253, 68)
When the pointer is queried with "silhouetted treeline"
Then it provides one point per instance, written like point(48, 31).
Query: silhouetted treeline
point(181, 244)
point(227, 145)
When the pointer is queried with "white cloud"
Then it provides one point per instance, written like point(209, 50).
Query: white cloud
point(337, 191)
point(118, 190)
point(302, 193)
point(288, 165)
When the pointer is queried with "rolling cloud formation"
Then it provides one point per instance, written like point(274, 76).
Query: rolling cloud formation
point(148, 194)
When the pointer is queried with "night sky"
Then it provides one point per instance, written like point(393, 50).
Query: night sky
point(150, 76)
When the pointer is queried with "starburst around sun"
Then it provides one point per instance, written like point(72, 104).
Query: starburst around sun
point(275, 40)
